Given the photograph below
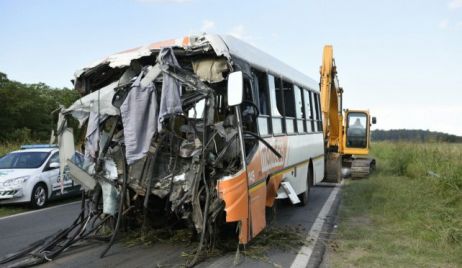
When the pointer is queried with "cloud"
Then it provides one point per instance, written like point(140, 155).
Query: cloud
point(207, 25)
point(444, 24)
point(454, 4)
point(163, 1)
point(238, 31)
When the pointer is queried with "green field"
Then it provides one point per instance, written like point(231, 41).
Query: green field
point(407, 214)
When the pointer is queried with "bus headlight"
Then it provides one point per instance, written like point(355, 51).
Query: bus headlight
point(15, 182)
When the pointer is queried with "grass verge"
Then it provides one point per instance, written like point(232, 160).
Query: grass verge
point(407, 214)
point(8, 210)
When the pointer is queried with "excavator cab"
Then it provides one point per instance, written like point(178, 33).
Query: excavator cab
point(357, 141)
point(357, 132)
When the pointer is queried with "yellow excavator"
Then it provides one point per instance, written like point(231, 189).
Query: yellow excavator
point(346, 132)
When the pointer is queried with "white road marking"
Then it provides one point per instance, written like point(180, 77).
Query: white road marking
point(304, 254)
point(38, 210)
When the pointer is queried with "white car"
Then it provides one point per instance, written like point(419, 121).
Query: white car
point(32, 175)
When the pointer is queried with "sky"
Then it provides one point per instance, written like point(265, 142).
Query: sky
point(402, 59)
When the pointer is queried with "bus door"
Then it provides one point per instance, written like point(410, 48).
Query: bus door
point(245, 194)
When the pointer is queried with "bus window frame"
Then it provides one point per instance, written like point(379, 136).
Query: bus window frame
point(319, 119)
point(281, 117)
point(267, 117)
point(303, 117)
point(288, 118)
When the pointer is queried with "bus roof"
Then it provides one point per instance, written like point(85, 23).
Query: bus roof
point(223, 45)
point(266, 62)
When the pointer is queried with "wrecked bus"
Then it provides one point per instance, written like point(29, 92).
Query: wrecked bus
point(205, 129)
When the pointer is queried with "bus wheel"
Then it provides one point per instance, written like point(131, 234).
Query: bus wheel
point(305, 196)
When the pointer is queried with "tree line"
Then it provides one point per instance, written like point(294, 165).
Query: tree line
point(26, 109)
point(417, 135)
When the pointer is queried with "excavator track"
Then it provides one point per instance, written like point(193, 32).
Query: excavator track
point(362, 167)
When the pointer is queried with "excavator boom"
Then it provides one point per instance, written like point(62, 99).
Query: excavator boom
point(331, 100)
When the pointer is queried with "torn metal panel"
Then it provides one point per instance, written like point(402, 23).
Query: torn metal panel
point(218, 45)
point(124, 58)
point(234, 191)
point(110, 198)
point(81, 176)
point(110, 193)
point(66, 147)
point(99, 101)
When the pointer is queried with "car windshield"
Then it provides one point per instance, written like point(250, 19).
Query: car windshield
point(23, 160)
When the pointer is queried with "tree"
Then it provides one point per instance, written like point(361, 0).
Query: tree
point(25, 109)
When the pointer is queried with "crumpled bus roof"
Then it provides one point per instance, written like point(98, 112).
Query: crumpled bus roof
point(223, 45)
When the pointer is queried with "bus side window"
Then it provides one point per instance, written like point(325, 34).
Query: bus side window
point(289, 106)
point(318, 122)
point(299, 111)
point(248, 112)
point(319, 113)
point(308, 111)
point(274, 85)
point(263, 102)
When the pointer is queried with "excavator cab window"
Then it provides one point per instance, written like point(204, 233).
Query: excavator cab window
point(357, 127)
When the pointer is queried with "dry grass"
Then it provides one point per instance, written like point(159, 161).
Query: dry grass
point(272, 238)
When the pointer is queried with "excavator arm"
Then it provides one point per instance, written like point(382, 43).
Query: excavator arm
point(331, 102)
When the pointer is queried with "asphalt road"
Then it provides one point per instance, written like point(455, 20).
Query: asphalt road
point(19, 231)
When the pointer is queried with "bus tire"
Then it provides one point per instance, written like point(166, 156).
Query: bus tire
point(305, 196)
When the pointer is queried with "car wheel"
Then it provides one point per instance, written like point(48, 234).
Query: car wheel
point(39, 196)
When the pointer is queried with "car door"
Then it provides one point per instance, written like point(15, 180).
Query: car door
point(51, 174)
point(55, 179)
